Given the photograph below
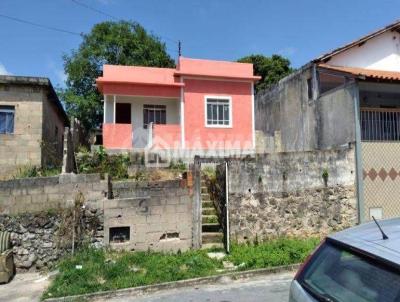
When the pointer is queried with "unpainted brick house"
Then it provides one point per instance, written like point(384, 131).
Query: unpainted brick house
point(347, 98)
point(32, 122)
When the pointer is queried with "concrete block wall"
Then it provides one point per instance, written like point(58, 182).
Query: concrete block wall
point(159, 215)
point(23, 146)
point(33, 195)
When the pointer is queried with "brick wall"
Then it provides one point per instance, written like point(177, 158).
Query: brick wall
point(158, 214)
point(33, 195)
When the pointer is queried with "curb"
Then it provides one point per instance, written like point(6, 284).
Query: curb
point(140, 290)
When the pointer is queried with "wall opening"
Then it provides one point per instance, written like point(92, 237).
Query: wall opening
point(123, 113)
point(119, 234)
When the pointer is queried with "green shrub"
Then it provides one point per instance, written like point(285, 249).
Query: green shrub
point(101, 162)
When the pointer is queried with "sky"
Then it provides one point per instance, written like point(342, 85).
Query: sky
point(212, 29)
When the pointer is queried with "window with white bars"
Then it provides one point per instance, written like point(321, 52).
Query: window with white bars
point(156, 114)
point(218, 112)
point(7, 114)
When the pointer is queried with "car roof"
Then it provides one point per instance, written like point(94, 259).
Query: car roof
point(368, 238)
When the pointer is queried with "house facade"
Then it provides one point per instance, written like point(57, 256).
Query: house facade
point(201, 107)
point(348, 98)
point(32, 122)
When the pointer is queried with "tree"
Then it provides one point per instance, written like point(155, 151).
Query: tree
point(271, 69)
point(118, 43)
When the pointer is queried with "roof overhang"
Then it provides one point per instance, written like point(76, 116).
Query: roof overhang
point(363, 74)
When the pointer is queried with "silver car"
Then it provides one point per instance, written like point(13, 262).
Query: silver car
point(356, 265)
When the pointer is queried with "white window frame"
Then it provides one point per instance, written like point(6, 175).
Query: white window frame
point(218, 97)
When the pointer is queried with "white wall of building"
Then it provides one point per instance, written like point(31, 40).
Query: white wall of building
point(379, 53)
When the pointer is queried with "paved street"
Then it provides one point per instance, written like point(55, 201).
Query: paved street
point(274, 288)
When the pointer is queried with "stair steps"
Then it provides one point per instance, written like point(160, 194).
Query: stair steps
point(212, 235)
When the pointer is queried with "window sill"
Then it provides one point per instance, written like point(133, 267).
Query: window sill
point(219, 126)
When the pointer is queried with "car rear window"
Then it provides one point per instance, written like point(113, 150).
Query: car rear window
point(339, 275)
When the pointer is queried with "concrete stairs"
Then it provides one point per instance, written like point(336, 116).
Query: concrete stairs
point(212, 235)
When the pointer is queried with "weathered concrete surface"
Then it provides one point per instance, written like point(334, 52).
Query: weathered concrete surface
point(290, 121)
point(292, 171)
point(303, 213)
point(266, 288)
point(290, 194)
point(26, 287)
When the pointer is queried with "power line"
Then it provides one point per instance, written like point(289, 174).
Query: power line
point(40, 25)
point(113, 17)
point(94, 9)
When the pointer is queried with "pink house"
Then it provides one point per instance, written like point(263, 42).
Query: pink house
point(202, 106)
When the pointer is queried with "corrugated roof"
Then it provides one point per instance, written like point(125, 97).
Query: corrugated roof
point(367, 73)
point(326, 56)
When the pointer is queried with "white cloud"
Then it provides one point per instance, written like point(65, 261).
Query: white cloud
point(59, 75)
point(288, 51)
point(3, 70)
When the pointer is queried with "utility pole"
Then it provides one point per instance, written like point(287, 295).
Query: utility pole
point(179, 48)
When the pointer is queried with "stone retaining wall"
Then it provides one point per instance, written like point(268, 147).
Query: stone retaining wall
point(291, 194)
point(40, 239)
point(303, 213)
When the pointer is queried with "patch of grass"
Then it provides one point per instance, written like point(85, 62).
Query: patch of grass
point(109, 270)
point(281, 251)
point(30, 171)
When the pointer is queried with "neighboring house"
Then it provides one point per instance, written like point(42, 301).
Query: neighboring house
point(349, 97)
point(202, 107)
point(32, 122)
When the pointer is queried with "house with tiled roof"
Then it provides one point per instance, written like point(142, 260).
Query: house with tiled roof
point(347, 98)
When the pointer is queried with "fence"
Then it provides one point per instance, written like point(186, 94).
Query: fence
point(380, 124)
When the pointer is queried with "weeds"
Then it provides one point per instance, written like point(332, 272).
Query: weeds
point(109, 270)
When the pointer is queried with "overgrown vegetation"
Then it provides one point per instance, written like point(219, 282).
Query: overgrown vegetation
point(91, 270)
point(101, 162)
point(117, 166)
point(30, 171)
point(281, 251)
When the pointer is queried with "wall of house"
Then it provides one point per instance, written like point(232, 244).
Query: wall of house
point(288, 121)
point(53, 133)
point(381, 53)
point(286, 194)
point(23, 147)
point(336, 117)
point(286, 115)
point(197, 135)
